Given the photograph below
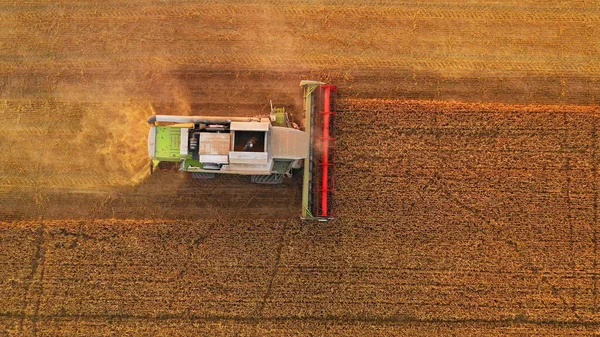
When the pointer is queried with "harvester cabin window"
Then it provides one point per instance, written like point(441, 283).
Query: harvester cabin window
point(249, 141)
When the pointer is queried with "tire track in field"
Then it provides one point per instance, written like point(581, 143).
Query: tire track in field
point(33, 298)
point(194, 244)
point(495, 225)
point(275, 270)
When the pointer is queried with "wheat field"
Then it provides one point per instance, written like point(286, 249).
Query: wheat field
point(466, 170)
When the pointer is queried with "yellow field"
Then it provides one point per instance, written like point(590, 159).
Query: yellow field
point(470, 218)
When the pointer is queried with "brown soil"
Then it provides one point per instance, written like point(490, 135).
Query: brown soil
point(474, 218)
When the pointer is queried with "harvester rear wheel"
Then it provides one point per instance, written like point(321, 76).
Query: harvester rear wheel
point(203, 175)
point(272, 179)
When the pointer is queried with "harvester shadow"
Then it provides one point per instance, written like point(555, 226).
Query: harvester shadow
point(171, 194)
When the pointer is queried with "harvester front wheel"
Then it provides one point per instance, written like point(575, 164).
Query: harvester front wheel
point(272, 179)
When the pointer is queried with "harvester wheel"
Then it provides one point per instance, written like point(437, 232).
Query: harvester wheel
point(272, 179)
point(203, 175)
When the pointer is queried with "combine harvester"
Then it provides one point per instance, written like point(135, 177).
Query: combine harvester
point(266, 149)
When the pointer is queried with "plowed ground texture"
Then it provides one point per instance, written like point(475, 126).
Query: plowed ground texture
point(452, 218)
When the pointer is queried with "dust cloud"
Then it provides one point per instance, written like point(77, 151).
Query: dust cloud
point(109, 146)
point(115, 137)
